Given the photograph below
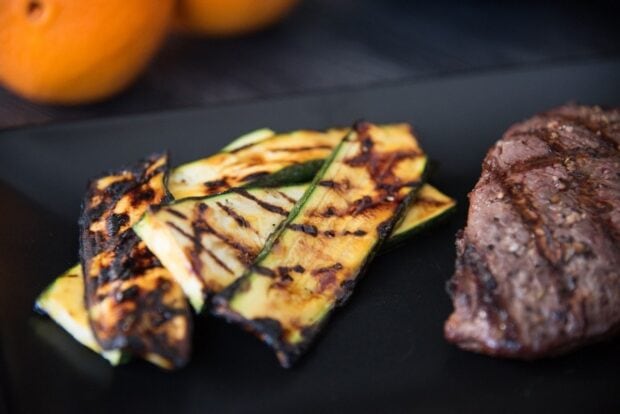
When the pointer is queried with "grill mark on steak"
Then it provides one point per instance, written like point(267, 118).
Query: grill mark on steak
point(493, 304)
point(599, 133)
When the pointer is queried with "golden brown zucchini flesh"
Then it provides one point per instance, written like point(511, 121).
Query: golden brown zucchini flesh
point(133, 302)
point(311, 263)
point(63, 301)
point(261, 158)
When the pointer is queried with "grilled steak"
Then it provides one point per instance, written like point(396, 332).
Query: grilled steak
point(538, 264)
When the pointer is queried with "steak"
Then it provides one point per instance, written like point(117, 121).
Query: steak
point(538, 263)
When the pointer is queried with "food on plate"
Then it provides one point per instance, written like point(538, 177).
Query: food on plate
point(207, 243)
point(133, 303)
point(538, 266)
point(429, 206)
point(63, 301)
point(72, 52)
point(261, 158)
point(312, 261)
point(196, 247)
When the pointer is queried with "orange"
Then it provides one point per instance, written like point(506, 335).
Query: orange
point(230, 17)
point(75, 51)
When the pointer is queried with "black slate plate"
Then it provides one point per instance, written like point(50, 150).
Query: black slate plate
point(384, 351)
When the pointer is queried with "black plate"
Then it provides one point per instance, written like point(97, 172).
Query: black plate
point(383, 351)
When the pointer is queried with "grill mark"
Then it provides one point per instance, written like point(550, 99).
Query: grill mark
point(265, 271)
point(523, 205)
point(197, 264)
point(600, 134)
point(356, 233)
point(197, 227)
point(473, 262)
point(254, 176)
point(215, 184)
point(585, 188)
point(327, 275)
point(286, 197)
point(145, 195)
point(200, 225)
point(365, 155)
point(176, 213)
point(430, 202)
point(391, 188)
point(335, 266)
point(114, 223)
point(284, 272)
point(304, 228)
point(327, 183)
point(301, 149)
point(362, 204)
point(329, 212)
point(597, 208)
point(263, 204)
point(241, 221)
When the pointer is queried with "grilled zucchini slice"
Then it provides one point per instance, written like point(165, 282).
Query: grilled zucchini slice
point(429, 206)
point(311, 263)
point(204, 263)
point(133, 303)
point(260, 158)
point(63, 301)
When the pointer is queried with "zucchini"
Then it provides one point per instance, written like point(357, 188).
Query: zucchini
point(260, 158)
point(429, 206)
point(133, 303)
point(63, 301)
point(311, 262)
point(204, 265)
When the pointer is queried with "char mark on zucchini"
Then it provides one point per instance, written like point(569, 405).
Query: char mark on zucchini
point(132, 301)
point(265, 205)
point(287, 312)
point(272, 160)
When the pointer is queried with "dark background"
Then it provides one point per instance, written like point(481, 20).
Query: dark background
point(327, 44)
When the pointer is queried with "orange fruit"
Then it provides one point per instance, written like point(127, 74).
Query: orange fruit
point(75, 51)
point(230, 17)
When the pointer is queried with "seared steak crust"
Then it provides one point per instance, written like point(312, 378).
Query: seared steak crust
point(538, 264)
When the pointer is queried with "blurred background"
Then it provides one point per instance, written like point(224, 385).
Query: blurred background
point(128, 57)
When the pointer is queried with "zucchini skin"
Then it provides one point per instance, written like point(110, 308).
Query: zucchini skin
point(272, 160)
point(132, 301)
point(287, 308)
point(429, 208)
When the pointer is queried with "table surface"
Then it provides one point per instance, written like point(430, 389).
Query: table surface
point(328, 44)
